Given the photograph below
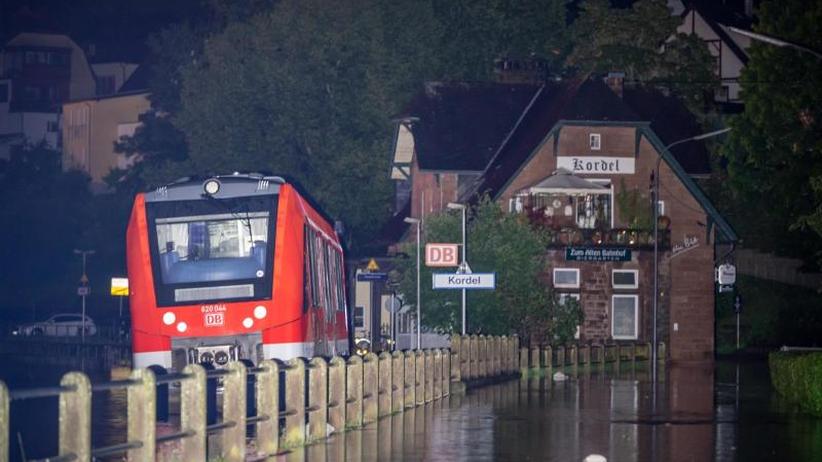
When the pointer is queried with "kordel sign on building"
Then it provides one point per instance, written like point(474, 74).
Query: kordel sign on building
point(597, 254)
point(597, 164)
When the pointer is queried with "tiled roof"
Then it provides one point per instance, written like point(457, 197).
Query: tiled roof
point(458, 126)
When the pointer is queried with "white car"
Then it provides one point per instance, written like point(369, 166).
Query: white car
point(59, 325)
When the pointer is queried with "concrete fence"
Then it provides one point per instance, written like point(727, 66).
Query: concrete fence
point(283, 404)
point(560, 356)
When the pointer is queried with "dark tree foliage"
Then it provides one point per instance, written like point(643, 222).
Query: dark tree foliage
point(45, 215)
point(774, 153)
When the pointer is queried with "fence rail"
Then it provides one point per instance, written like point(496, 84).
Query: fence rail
point(342, 393)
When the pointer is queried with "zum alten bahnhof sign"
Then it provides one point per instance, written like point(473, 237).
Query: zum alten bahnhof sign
point(597, 254)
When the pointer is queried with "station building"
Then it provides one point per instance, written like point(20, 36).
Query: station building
point(578, 158)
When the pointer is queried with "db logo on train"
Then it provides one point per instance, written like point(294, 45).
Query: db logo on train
point(214, 319)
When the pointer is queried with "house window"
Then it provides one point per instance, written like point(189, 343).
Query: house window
point(625, 279)
point(358, 316)
point(660, 208)
point(624, 314)
point(566, 278)
point(595, 141)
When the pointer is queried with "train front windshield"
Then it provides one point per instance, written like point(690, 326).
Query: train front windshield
point(211, 250)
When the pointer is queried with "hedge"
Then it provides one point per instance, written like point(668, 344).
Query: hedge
point(798, 377)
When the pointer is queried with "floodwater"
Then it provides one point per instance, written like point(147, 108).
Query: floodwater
point(724, 413)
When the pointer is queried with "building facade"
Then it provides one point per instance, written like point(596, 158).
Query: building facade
point(579, 160)
point(38, 72)
point(93, 126)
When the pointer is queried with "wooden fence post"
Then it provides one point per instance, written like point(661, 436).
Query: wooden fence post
point(336, 393)
point(534, 363)
point(268, 404)
point(317, 399)
point(354, 392)
point(294, 434)
point(75, 416)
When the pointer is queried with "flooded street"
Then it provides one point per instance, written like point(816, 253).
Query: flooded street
point(727, 413)
point(698, 416)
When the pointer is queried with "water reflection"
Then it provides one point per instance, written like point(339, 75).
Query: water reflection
point(725, 413)
point(612, 413)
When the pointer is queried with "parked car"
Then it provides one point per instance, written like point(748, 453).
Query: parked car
point(58, 325)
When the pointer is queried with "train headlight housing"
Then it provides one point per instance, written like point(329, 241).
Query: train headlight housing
point(211, 187)
point(221, 358)
point(260, 311)
point(207, 358)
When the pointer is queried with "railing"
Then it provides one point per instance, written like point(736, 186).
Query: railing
point(548, 357)
point(620, 237)
point(342, 393)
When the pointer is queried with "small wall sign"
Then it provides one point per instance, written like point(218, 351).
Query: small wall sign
point(688, 243)
point(597, 254)
point(597, 164)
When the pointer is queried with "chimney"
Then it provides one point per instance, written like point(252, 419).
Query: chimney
point(615, 82)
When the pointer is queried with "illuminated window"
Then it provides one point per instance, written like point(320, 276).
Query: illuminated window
point(595, 141)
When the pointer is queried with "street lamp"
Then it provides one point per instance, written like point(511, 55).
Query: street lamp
point(655, 202)
point(774, 41)
point(464, 264)
point(84, 281)
point(416, 221)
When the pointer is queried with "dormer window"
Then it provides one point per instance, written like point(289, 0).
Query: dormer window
point(595, 141)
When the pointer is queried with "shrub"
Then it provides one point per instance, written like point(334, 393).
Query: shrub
point(798, 377)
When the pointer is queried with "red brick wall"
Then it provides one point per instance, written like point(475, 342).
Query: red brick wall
point(432, 190)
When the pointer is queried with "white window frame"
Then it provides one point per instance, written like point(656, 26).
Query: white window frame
point(565, 286)
point(635, 285)
point(636, 317)
point(595, 141)
point(660, 206)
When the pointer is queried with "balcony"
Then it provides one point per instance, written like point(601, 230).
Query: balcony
point(614, 237)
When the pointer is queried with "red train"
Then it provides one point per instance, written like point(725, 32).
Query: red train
point(233, 267)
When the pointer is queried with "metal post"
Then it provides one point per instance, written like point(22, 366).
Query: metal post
point(419, 301)
point(464, 259)
point(84, 280)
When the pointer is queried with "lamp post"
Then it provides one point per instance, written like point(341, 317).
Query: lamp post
point(655, 205)
point(84, 281)
point(774, 41)
point(416, 221)
point(464, 264)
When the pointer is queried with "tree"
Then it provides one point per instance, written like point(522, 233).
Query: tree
point(642, 42)
point(774, 153)
point(522, 302)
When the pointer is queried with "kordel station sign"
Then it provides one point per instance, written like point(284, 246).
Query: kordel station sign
point(465, 281)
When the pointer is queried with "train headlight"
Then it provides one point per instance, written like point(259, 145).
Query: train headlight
point(260, 312)
point(248, 322)
point(221, 358)
point(169, 318)
point(211, 187)
point(207, 358)
point(181, 327)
